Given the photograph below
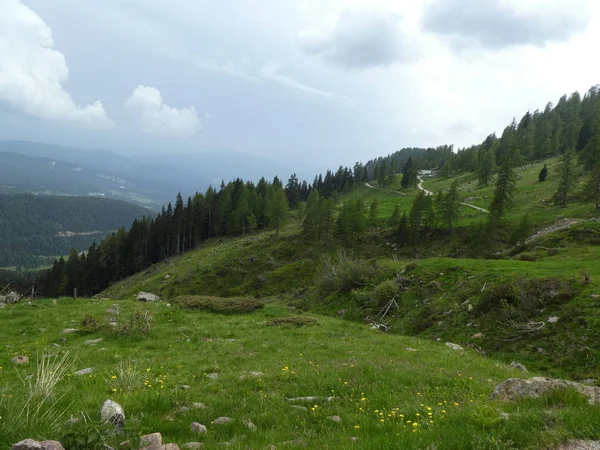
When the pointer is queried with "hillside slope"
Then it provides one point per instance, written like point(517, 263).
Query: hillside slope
point(384, 391)
point(36, 229)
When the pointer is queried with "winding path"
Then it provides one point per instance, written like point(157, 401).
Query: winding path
point(429, 193)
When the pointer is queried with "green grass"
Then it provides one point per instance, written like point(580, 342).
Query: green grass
point(376, 384)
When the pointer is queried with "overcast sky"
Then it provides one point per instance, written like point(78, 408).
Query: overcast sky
point(323, 80)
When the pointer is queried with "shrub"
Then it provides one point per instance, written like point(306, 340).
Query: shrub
point(291, 322)
point(387, 291)
point(345, 274)
point(138, 322)
point(221, 305)
point(90, 324)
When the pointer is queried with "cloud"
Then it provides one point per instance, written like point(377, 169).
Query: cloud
point(32, 73)
point(158, 118)
point(360, 39)
point(498, 24)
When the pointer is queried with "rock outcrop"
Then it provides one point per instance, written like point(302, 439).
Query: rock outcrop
point(147, 297)
point(517, 388)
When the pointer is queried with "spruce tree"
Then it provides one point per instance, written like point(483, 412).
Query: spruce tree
point(590, 154)
point(487, 167)
point(373, 209)
point(522, 232)
point(450, 206)
point(402, 230)
point(277, 208)
point(407, 173)
point(543, 174)
point(591, 191)
point(506, 188)
point(566, 181)
point(395, 218)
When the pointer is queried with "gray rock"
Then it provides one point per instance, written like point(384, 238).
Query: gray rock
point(518, 366)
point(94, 341)
point(63, 340)
point(70, 330)
point(198, 405)
point(222, 420)
point(310, 399)
point(553, 319)
point(336, 419)
point(51, 445)
point(517, 388)
point(250, 425)
point(247, 375)
point(20, 360)
point(299, 408)
point(151, 439)
point(147, 297)
point(10, 298)
point(84, 371)
point(193, 445)
point(408, 349)
point(580, 445)
point(112, 412)
point(212, 376)
point(454, 346)
point(27, 444)
point(196, 427)
point(162, 447)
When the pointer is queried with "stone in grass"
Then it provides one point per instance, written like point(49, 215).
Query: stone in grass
point(94, 341)
point(517, 365)
point(222, 420)
point(517, 388)
point(112, 412)
point(247, 375)
point(299, 408)
point(151, 439)
point(454, 346)
point(20, 360)
point(84, 371)
point(70, 330)
point(336, 419)
point(193, 445)
point(162, 447)
point(30, 444)
point(196, 427)
point(212, 376)
point(250, 425)
point(580, 445)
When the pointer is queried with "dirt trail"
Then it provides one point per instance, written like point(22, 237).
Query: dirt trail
point(560, 225)
point(429, 193)
point(383, 189)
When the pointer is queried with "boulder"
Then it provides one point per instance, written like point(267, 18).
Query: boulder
point(27, 444)
point(112, 412)
point(147, 297)
point(517, 388)
point(151, 439)
point(196, 427)
point(518, 366)
point(20, 360)
point(222, 420)
point(51, 445)
point(454, 346)
point(10, 298)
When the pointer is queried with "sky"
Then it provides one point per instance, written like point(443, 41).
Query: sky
point(325, 82)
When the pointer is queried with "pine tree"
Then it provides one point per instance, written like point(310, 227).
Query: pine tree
point(522, 232)
point(421, 214)
point(373, 209)
point(402, 230)
point(506, 188)
point(566, 181)
point(590, 154)
point(351, 223)
point(487, 167)
point(543, 174)
point(591, 191)
point(450, 206)
point(277, 208)
point(395, 218)
point(407, 173)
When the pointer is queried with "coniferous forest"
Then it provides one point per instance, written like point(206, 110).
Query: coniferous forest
point(570, 128)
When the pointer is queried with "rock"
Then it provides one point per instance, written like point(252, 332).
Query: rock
point(222, 420)
point(63, 340)
point(477, 335)
point(161, 447)
point(252, 375)
point(27, 444)
point(167, 276)
point(151, 439)
point(147, 297)
point(517, 388)
point(454, 346)
point(580, 445)
point(185, 387)
point(94, 341)
point(112, 412)
point(193, 445)
point(10, 298)
point(517, 365)
point(336, 419)
point(470, 308)
point(196, 427)
point(408, 349)
point(20, 360)
point(504, 416)
point(212, 376)
point(299, 408)
point(354, 439)
point(198, 405)
point(51, 445)
point(250, 425)
point(84, 371)
point(309, 399)
point(552, 319)
point(70, 330)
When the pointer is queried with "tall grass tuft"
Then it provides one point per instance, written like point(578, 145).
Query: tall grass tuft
point(125, 378)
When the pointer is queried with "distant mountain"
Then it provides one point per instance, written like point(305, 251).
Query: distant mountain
point(36, 229)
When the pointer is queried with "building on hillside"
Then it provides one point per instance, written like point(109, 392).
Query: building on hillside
point(436, 172)
point(430, 173)
point(425, 173)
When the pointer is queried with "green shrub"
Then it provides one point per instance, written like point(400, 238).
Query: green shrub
point(387, 291)
point(291, 321)
point(90, 324)
point(345, 274)
point(221, 305)
point(138, 322)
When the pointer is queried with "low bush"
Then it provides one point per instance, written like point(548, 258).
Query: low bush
point(221, 305)
point(291, 321)
point(90, 324)
point(345, 274)
point(387, 291)
point(138, 322)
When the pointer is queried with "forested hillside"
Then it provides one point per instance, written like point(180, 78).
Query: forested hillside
point(571, 129)
point(34, 230)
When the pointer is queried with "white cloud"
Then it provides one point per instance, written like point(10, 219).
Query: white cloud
point(32, 73)
point(360, 39)
point(158, 118)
